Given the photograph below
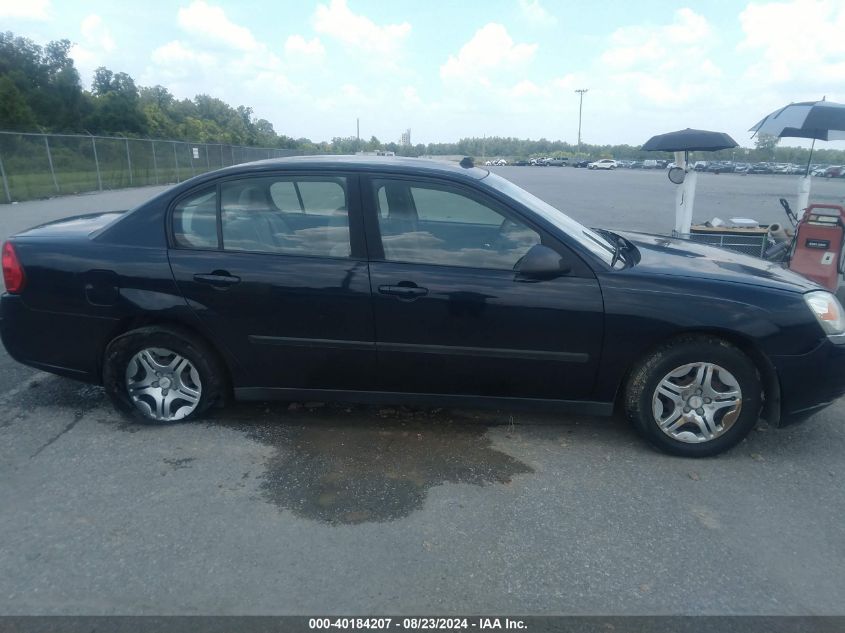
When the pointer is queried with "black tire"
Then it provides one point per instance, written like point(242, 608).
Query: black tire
point(121, 350)
point(646, 376)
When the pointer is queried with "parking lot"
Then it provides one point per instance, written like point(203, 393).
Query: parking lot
point(293, 508)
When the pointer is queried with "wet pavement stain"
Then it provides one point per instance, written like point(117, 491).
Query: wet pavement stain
point(370, 466)
point(179, 464)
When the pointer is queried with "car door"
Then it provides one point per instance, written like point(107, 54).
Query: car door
point(452, 316)
point(275, 268)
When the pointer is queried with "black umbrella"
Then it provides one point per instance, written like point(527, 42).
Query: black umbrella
point(689, 140)
point(818, 120)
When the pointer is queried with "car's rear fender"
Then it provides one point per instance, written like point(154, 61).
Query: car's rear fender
point(80, 294)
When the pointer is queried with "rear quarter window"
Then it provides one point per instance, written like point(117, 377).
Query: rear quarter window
point(195, 220)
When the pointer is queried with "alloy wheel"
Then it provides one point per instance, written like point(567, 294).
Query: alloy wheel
point(162, 384)
point(697, 402)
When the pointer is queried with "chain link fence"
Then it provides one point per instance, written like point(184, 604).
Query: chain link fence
point(46, 165)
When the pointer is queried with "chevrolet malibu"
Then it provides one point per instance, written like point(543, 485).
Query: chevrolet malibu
point(412, 281)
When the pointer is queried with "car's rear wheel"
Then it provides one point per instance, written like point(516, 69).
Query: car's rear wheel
point(161, 375)
point(694, 397)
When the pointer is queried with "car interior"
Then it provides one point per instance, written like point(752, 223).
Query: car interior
point(430, 225)
point(308, 217)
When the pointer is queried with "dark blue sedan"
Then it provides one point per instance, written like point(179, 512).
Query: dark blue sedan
point(413, 281)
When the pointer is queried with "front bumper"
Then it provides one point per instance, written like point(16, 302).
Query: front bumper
point(811, 382)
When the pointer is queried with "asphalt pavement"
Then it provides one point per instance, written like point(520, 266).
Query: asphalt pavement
point(312, 508)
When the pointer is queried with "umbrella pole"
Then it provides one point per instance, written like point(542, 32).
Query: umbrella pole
point(810, 159)
point(804, 186)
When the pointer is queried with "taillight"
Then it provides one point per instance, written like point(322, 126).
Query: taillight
point(13, 274)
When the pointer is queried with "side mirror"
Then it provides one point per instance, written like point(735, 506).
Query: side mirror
point(541, 262)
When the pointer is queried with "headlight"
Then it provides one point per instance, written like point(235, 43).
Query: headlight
point(827, 310)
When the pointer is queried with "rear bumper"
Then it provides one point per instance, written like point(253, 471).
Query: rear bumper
point(65, 344)
point(811, 382)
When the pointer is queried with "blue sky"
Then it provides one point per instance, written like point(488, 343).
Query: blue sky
point(449, 69)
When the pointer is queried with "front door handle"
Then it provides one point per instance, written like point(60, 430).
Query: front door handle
point(218, 279)
point(404, 291)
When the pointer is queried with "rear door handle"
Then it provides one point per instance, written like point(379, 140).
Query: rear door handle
point(403, 292)
point(218, 279)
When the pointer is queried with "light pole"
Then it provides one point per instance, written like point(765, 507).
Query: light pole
point(580, 92)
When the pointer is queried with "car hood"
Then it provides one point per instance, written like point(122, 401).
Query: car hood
point(75, 226)
point(661, 255)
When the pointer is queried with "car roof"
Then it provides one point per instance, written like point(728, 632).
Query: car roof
point(419, 166)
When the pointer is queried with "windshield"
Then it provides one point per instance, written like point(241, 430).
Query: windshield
point(588, 238)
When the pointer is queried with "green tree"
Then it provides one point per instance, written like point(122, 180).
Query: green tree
point(766, 142)
point(15, 113)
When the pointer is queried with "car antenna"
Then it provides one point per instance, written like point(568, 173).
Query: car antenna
point(466, 162)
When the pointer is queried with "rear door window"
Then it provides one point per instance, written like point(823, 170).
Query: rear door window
point(303, 215)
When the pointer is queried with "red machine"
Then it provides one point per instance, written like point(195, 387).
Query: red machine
point(817, 251)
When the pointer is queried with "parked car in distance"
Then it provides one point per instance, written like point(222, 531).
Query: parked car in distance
point(760, 168)
point(719, 167)
point(650, 164)
point(637, 164)
point(556, 162)
point(412, 281)
point(581, 163)
point(604, 163)
point(834, 171)
point(500, 162)
point(741, 167)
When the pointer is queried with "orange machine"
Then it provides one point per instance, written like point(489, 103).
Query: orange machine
point(817, 251)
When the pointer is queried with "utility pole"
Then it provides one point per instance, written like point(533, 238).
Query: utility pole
point(357, 135)
point(580, 92)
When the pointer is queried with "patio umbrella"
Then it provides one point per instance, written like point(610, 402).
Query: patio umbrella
point(687, 141)
point(818, 120)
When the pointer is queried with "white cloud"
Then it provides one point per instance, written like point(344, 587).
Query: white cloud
point(410, 96)
point(491, 48)
point(638, 44)
point(525, 88)
point(801, 42)
point(338, 21)
point(219, 52)
point(209, 22)
point(536, 13)
point(25, 10)
point(94, 48)
point(297, 47)
point(96, 34)
point(176, 54)
point(567, 82)
point(663, 65)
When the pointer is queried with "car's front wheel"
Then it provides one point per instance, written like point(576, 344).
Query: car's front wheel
point(161, 375)
point(695, 397)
